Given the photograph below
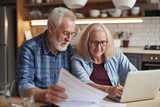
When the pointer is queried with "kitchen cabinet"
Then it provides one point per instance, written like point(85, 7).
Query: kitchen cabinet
point(135, 59)
point(25, 9)
point(46, 7)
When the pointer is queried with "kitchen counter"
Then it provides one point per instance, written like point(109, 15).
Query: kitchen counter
point(139, 50)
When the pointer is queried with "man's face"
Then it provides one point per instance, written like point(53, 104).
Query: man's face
point(62, 36)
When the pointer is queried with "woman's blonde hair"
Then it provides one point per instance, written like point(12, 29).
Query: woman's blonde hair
point(82, 46)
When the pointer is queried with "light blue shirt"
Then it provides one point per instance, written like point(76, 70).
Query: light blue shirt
point(116, 68)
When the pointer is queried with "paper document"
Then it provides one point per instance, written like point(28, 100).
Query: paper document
point(102, 103)
point(77, 90)
point(80, 94)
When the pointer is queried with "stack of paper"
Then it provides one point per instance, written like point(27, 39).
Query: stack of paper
point(80, 94)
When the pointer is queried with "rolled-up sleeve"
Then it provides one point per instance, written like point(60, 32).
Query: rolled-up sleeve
point(25, 68)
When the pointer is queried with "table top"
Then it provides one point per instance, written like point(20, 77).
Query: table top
point(146, 103)
point(18, 101)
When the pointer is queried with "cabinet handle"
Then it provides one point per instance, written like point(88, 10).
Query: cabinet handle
point(151, 57)
point(151, 65)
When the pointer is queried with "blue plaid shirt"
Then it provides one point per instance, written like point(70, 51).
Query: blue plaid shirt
point(36, 66)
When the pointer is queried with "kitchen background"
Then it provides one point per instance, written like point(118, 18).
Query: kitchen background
point(146, 33)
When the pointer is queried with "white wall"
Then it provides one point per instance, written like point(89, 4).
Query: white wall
point(146, 33)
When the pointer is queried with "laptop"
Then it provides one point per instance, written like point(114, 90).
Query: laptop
point(140, 85)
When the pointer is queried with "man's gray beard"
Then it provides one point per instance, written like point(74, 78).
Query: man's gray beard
point(58, 46)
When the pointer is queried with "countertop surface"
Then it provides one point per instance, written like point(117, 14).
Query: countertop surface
point(139, 50)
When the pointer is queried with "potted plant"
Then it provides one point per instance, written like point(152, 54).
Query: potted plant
point(125, 37)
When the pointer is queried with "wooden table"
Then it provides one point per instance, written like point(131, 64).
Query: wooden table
point(17, 100)
point(147, 103)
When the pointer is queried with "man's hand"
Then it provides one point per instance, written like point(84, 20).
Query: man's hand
point(55, 94)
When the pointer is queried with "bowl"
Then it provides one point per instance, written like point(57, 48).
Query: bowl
point(135, 11)
point(79, 15)
point(94, 13)
point(38, 1)
point(34, 14)
point(103, 14)
point(124, 4)
point(75, 4)
point(114, 12)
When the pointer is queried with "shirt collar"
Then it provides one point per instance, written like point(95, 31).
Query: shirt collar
point(45, 43)
point(89, 60)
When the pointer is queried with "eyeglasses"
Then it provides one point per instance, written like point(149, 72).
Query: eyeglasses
point(67, 34)
point(96, 43)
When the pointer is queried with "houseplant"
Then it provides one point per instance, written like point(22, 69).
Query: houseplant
point(125, 37)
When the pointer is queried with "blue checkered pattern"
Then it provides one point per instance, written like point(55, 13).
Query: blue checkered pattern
point(36, 66)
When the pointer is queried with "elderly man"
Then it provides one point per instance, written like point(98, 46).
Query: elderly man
point(41, 58)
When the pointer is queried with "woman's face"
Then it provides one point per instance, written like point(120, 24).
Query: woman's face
point(97, 43)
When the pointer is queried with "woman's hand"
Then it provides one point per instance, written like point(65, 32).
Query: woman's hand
point(115, 90)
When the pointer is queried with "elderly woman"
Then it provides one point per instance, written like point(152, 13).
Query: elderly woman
point(97, 61)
